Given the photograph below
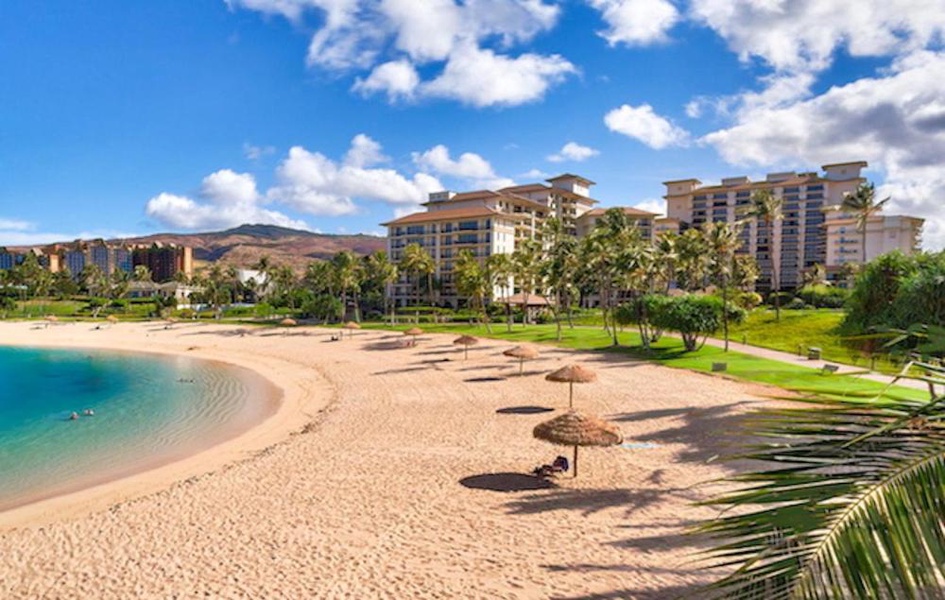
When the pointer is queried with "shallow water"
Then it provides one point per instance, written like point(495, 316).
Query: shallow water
point(148, 410)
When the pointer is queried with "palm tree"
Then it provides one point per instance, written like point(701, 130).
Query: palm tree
point(500, 270)
point(382, 273)
point(848, 502)
point(526, 259)
point(691, 260)
point(722, 240)
point(347, 275)
point(417, 262)
point(765, 207)
point(472, 282)
point(559, 270)
point(863, 204)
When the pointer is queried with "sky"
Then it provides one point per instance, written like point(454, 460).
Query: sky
point(126, 118)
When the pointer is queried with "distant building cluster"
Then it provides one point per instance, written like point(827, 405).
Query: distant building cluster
point(813, 229)
point(164, 261)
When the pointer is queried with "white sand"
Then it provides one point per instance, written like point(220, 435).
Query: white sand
point(386, 493)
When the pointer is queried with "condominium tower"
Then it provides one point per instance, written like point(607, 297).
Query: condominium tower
point(813, 229)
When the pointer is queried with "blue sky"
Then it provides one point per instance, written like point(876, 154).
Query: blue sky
point(123, 118)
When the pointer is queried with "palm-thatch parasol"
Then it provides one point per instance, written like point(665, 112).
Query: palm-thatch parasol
point(572, 374)
point(50, 319)
point(288, 322)
point(577, 429)
point(466, 341)
point(111, 319)
point(413, 332)
point(522, 353)
point(351, 326)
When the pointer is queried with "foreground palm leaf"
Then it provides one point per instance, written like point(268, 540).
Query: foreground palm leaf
point(852, 504)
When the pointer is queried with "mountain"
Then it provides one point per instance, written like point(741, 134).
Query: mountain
point(243, 246)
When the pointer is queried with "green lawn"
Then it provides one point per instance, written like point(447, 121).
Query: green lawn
point(669, 352)
point(800, 330)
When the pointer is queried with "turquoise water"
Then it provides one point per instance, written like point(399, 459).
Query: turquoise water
point(149, 410)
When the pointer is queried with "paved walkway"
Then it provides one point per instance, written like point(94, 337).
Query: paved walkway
point(803, 361)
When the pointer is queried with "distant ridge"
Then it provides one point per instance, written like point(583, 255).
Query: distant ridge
point(244, 245)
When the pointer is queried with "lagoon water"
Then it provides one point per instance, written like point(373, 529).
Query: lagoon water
point(149, 410)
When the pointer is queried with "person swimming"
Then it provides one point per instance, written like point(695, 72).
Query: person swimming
point(88, 412)
point(73, 416)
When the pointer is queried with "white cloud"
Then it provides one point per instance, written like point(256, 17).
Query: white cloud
point(534, 174)
point(398, 79)
point(636, 22)
point(390, 39)
point(253, 152)
point(573, 151)
point(651, 205)
point(364, 152)
point(231, 199)
point(468, 166)
point(802, 35)
point(15, 225)
point(895, 121)
point(312, 183)
point(642, 123)
point(511, 81)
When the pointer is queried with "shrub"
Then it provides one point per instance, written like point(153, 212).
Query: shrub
point(692, 316)
point(824, 296)
point(795, 304)
point(748, 300)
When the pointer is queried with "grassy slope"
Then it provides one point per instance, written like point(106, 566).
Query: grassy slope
point(802, 329)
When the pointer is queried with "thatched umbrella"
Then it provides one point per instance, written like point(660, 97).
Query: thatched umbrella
point(522, 353)
point(111, 319)
point(577, 429)
point(288, 322)
point(351, 326)
point(572, 374)
point(413, 332)
point(466, 341)
point(51, 319)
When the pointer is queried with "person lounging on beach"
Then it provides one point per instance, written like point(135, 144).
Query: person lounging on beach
point(560, 465)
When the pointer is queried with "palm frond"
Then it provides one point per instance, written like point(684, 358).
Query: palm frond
point(851, 504)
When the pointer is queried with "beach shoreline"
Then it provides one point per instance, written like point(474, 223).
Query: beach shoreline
point(292, 411)
point(393, 471)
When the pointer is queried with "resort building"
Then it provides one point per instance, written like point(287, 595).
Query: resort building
point(809, 232)
point(485, 222)
point(164, 261)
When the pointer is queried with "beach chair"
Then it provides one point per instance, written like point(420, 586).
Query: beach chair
point(560, 465)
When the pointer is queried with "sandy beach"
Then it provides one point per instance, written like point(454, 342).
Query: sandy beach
point(392, 472)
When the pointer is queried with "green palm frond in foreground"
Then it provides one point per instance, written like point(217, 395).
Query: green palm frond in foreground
point(850, 504)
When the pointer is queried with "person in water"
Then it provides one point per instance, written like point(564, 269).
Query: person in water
point(88, 412)
point(73, 416)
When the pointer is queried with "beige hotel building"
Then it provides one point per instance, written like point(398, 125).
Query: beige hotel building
point(812, 231)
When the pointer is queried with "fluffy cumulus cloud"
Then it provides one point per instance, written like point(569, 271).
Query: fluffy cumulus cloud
point(469, 167)
point(228, 199)
point(636, 22)
point(802, 35)
point(573, 151)
point(642, 123)
point(458, 43)
point(312, 183)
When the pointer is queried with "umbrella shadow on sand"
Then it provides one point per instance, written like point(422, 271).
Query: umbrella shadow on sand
point(506, 482)
point(483, 379)
point(523, 410)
